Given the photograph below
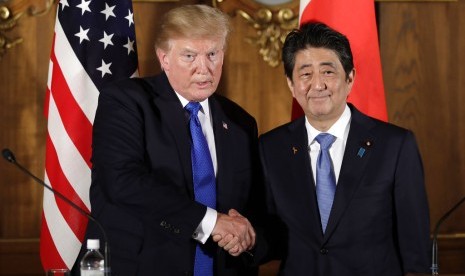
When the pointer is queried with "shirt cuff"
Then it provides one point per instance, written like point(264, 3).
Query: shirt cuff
point(205, 228)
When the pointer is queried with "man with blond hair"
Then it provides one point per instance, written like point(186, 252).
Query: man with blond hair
point(173, 162)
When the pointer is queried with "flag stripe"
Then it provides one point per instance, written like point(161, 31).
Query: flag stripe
point(57, 175)
point(90, 48)
point(71, 161)
point(71, 114)
point(81, 86)
point(63, 237)
point(49, 84)
point(48, 252)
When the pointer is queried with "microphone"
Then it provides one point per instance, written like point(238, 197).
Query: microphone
point(434, 264)
point(9, 156)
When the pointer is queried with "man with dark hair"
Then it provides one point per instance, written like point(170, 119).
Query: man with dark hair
point(346, 191)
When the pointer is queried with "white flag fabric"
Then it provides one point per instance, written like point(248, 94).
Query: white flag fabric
point(94, 43)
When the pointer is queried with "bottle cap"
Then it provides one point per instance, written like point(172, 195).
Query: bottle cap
point(93, 244)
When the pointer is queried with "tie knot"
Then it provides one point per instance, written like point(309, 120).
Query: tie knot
point(325, 140)
point(193, 108)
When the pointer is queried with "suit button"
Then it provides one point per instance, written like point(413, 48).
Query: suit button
point(324, 251)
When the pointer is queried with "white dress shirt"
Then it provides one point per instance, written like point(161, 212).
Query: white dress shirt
point(208, 222)
point(340, 129)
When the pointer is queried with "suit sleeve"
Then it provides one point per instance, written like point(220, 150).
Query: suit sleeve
point(123, 172)
point(273, 236)
point(412, 214)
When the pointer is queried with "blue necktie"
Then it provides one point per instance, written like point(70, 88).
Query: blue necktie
point(204, 182)
point(325, 178)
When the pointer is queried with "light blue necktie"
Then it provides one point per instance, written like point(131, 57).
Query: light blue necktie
point(204, 182)
point(325, 178)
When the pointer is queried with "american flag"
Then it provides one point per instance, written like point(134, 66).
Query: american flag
point(94, 43)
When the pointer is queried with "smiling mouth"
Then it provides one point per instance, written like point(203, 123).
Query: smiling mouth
point(319, 97)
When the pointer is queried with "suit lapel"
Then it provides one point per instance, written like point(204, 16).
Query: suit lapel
point(174, 119)
point(357, 155)
point(301, 181)
point(222, 129)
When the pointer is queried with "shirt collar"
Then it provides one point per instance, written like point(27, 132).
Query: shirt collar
point(337, 129)
point(205, 107)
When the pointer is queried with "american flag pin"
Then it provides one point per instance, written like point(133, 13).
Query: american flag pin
point(294, 150)
point(225, 125)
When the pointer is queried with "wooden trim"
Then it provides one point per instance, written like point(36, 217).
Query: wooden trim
point(20, 257)
point(451, 236)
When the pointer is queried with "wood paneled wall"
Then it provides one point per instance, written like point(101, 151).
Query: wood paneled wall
point(424, 73)
point(423, 67)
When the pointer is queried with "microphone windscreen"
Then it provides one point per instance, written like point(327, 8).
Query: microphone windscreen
point(8, 155)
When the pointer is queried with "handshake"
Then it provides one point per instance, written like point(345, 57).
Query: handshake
point(233, 233)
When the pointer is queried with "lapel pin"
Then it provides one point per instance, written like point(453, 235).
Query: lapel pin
point(362, 149)
point(225, 125)
point(294, 150)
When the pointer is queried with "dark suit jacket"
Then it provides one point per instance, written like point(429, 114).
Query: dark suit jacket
point(379, 223)
point(142, 191)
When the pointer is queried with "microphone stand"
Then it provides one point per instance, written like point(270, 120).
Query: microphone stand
point(8, 155)
point(434, 265)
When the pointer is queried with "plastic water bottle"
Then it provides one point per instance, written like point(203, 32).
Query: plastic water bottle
point(93, 262)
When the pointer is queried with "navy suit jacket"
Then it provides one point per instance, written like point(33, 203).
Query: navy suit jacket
point(379, 223)
point(142, 191)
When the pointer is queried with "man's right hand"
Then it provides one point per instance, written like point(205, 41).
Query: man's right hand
point(233, 233)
